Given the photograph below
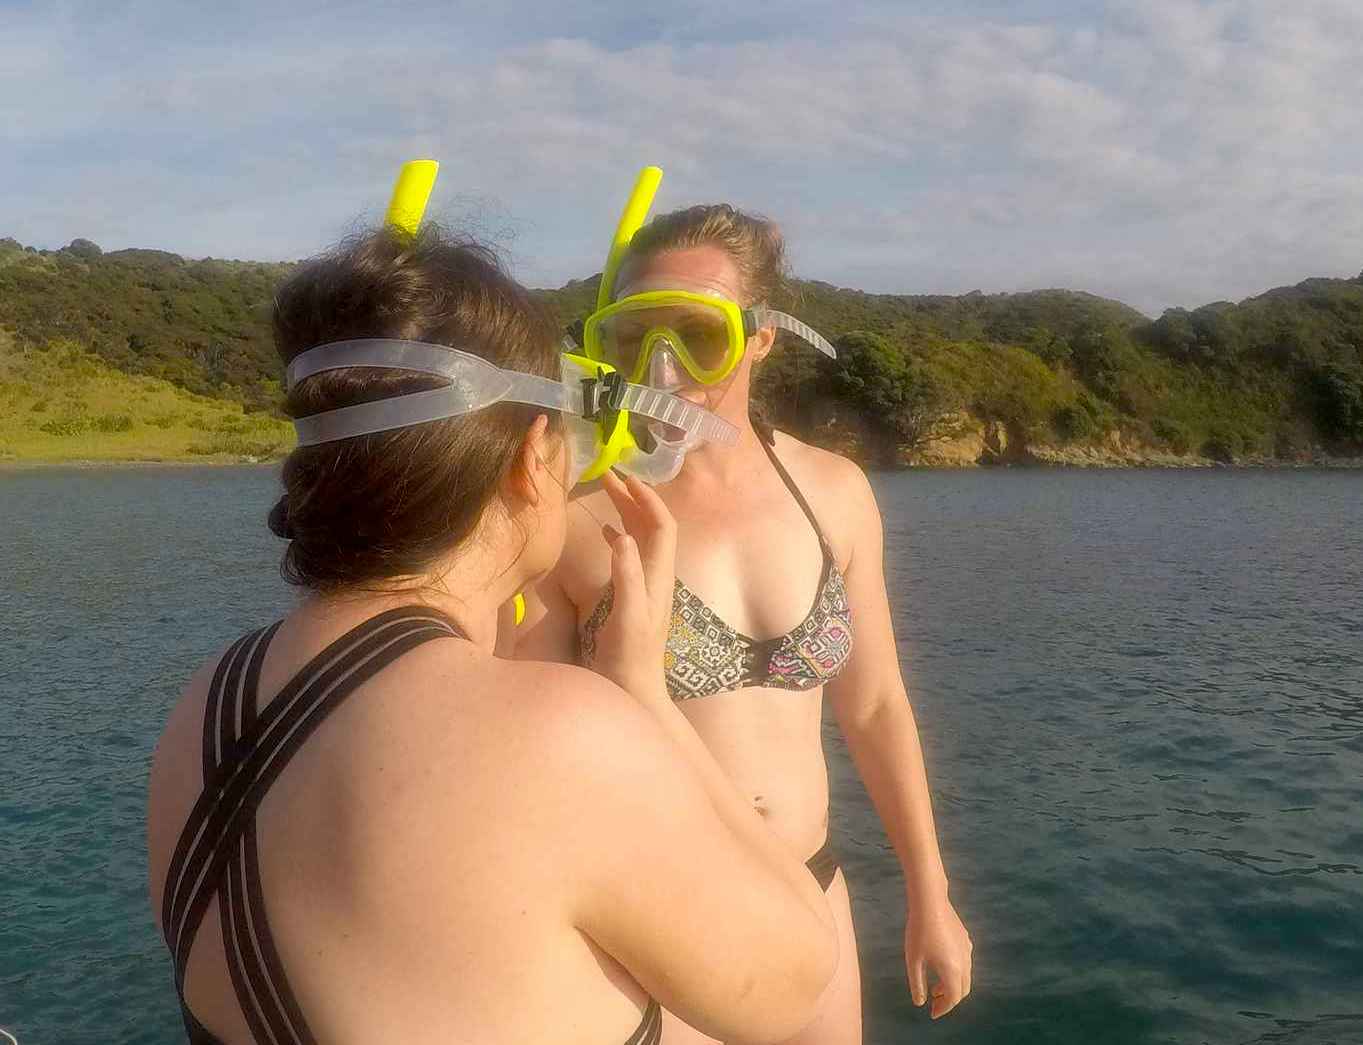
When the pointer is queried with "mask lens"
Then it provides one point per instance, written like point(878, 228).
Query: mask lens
point(701, 332)
point(705, 334)
point(621, 339)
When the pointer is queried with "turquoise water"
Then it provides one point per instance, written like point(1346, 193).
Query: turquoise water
point(1141, 696)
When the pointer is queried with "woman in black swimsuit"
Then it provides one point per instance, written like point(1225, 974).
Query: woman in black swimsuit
point(780, 549)
point(364, 826)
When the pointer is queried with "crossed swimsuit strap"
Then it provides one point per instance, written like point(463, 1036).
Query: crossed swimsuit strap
point(243, 754)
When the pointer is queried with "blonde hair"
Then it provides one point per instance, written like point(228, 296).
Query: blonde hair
point(754, 243)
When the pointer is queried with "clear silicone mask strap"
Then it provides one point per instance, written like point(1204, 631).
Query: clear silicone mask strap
point(767, 317)
point(670, 410)
point(484, 382)
point(474, 384)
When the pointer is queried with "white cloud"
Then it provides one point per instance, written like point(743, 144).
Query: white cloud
point(1167, 152)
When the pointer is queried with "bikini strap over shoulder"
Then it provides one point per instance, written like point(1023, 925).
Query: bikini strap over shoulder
point(767, 437)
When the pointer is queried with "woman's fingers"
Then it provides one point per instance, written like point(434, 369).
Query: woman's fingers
point(647, 519)
point(657, 538)
point(941, 998)
point(918, 983)
point(650, 505)
point(641, 509)
point(948, 992)
point(622, 497)
point(627, 576)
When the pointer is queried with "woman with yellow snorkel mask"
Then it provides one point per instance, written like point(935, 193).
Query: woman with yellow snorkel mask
point(779, 565)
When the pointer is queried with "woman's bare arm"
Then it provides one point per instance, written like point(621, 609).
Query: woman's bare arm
point(687, 890)
point(873, 710)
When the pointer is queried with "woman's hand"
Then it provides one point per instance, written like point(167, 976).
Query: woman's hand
point(629, 646)
point(935, 941)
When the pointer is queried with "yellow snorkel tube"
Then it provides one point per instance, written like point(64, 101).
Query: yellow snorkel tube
point(411, 193)
point(631, 220)
point(406, 209)
point(619, 439)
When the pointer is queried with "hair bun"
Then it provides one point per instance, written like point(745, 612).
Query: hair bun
point(280, 523)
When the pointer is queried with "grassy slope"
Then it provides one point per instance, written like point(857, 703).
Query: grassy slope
point(64, 404)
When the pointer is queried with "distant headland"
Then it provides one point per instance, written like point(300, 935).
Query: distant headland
point(141, 355)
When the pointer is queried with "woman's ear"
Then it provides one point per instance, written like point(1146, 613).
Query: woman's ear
point(761, 343)
point(528, 476)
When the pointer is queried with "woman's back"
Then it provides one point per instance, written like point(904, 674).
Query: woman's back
point(424, 833)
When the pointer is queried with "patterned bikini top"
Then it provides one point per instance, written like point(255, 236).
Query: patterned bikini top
point(705, 655)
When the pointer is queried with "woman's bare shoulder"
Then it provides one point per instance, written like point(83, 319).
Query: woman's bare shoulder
point(184, 725)
point(836, 472)
point(837, 488)
point(535, 708)
point(425, 714)
point(567, 737)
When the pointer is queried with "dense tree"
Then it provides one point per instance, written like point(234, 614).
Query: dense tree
point(83, 248)
point(902, 403)
point(1340, 389)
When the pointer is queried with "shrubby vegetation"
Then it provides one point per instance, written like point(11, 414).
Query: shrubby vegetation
point(1280, 374)
point(61, 403)
point(202, 325)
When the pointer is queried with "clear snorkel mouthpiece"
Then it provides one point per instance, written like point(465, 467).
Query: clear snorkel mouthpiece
point(659, 465)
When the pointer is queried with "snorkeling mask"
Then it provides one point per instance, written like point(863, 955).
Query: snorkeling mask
point(704, 333)
point(708, 335)
point(593, 395)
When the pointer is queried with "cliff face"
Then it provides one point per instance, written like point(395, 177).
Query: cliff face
point(982, 444)
point(965, 450)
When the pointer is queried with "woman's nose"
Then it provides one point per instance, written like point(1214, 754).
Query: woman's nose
point(663, 371)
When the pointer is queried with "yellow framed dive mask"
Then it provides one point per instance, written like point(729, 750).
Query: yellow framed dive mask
point(705, 334)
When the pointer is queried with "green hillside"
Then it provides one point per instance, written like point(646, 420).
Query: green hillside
point(1030, 376)
point(203, 325)
point(61, 403)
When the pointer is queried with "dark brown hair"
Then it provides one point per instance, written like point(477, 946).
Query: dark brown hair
point(363, 510)
point(755, 244)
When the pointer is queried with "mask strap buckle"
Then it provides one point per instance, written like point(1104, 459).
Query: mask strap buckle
point(602, 393)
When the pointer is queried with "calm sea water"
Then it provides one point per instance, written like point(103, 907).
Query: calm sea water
point(1141, 697)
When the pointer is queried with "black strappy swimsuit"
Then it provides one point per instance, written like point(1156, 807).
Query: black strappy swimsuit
point(705, 655)
point(243, 755)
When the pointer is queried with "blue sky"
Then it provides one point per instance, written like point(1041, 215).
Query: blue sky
point(1164, 152)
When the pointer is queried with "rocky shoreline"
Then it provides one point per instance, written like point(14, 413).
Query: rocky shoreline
point(1091, 457)
point(991, 444)
point(983, 445)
